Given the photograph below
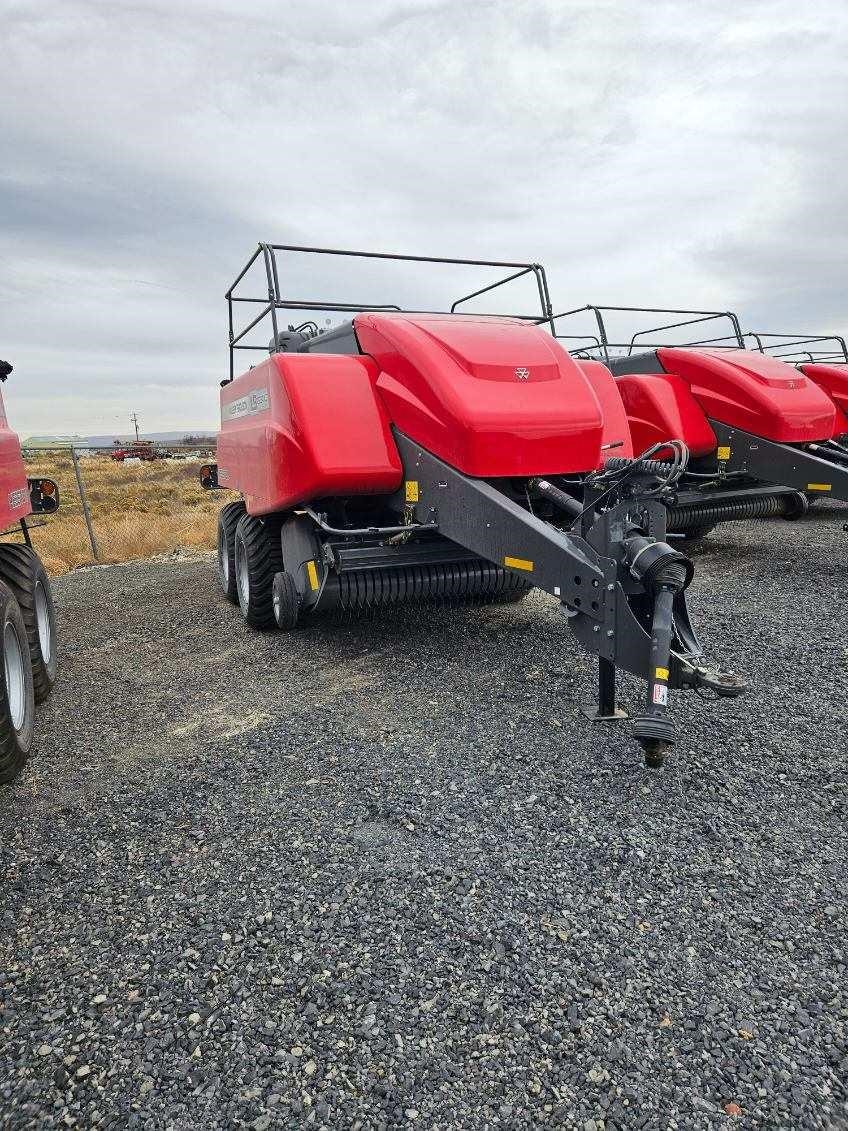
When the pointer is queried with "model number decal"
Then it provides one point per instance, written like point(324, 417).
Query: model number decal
point(17, 498)
point(250, 404)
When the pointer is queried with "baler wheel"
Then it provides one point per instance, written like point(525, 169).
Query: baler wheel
point(22, 571)
point(696, 533)
point(227, 523)
point(258, 556)
point(286, 600)
point(512, 594)
point(17, 697)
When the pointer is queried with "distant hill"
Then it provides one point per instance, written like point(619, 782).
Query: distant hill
point(51, 441)
point(106, 441)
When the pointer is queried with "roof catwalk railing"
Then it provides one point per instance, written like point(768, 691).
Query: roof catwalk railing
point(277, 299)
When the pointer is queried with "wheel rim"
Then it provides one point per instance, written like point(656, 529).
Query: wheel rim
point(13, 664)
point(223, 558)
point(242, 575)
point(277, 603)
point(42, 619)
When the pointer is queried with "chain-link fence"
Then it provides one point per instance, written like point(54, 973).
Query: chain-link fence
point(113, 510)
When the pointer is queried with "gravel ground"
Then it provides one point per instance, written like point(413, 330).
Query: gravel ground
point(382, 874)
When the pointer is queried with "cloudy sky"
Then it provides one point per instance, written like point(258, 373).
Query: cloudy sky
point(663, 153)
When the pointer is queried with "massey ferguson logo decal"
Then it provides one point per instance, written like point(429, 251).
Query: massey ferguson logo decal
point(16, 498)
point(522, 374)
point(249, 405)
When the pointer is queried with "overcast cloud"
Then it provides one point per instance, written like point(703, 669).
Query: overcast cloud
point(657, 153)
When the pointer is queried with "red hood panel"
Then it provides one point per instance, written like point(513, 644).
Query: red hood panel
point(755, 393)
point(834, 380)
point(490, 396)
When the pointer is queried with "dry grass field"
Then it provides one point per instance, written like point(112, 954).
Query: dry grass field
point(138, 510)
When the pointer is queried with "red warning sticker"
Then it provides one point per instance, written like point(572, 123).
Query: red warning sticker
point(661, 694)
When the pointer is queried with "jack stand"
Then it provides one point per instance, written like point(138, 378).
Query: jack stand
point(606, 710)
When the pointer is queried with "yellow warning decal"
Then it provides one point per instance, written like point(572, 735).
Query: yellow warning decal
point(412, 490)
point(312, 574)
point(661, 673)
point(723, 453)
point(518, 563)
point(818, 487)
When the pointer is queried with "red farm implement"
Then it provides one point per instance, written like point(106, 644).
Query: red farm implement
point(27, 616)
point(763, 417)
point(407, 455)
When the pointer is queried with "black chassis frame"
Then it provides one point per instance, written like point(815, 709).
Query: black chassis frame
point(479, 516)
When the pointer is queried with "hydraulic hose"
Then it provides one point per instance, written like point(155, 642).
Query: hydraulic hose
point(558, 497)
point(651, 466)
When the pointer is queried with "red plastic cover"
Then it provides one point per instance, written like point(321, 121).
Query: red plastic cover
point(834, 380)
point(616, 438)
point(490, 396)
point(660, 406)
point(14, 490)
point(754, 392)
point(301, 426)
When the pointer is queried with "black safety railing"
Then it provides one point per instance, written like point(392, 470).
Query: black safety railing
point(798, 348)
point(275, 300)
point(600, 343)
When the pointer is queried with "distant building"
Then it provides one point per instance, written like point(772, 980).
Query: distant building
point(54, 442)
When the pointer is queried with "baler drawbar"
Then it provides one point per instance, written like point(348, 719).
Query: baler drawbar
point(418, 455)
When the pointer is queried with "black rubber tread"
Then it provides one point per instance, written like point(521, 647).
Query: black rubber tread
point(696, 533)
point(261, 540)
point(289, 600)
point(512, 596)
point(15, 746)
point(22, 571)
point(227, 522)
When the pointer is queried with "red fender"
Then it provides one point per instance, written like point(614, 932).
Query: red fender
point(834, 380)
point(660, 406)
point(616, 439)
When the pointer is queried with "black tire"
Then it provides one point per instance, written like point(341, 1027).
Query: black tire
point(22, 571)
point(258, 556)
point(17, 697)
point(512, 596)
point(227, 522)
point(697, 534)
point(286, 601)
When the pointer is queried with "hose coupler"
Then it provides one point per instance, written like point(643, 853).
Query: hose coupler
point(656, 564)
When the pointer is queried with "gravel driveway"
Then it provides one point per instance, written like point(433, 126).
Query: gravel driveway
point(381, 874)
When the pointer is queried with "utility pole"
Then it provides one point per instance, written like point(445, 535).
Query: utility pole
point(134, 419)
